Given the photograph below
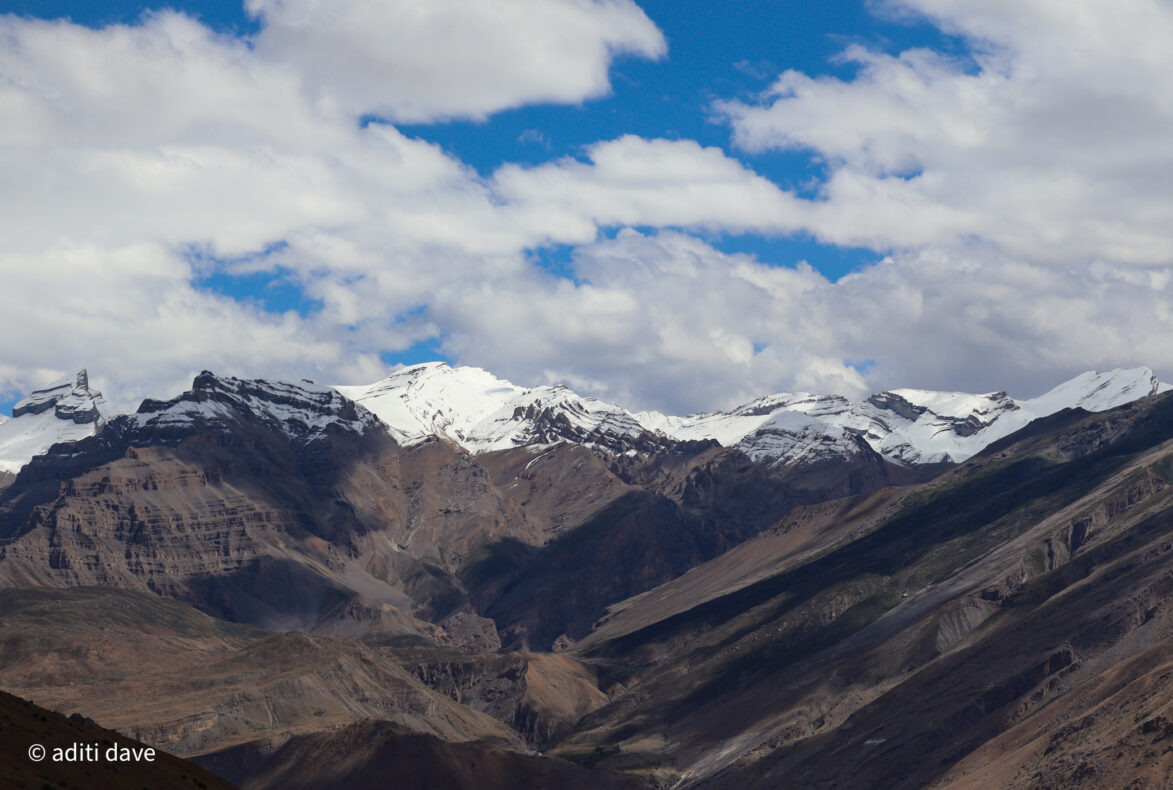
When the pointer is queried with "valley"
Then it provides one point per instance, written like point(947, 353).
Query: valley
point(301, 586)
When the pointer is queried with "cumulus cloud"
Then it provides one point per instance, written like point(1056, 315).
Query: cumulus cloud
point(132, 147)
point(1021, 199)
point(414, 62)
point(132, 316)
point(662, 321)
point(633, 181)
point(667, 321)
point(1047, 145)
point(977, 321)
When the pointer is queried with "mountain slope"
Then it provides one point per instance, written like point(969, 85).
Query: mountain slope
point(821, 616)
point(364, 755)
point(260, 502)
point(1003, 625)
point(289, 506)
point(190, 683)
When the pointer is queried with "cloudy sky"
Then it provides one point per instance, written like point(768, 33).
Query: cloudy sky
point(676, 204)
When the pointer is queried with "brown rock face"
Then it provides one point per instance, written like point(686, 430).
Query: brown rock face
point(256, 522)
point(539, 695)
point(190, 683)
point(668, 513)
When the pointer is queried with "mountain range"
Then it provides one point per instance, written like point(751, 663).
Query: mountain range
point(469, 583)
point(483, 413)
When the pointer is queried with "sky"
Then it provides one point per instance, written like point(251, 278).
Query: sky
point(677, 204)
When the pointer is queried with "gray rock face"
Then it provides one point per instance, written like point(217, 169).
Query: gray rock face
point(65, 411)
point(70, 400)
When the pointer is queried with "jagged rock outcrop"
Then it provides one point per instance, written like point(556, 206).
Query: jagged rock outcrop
point(72, 401)
point(64, 411)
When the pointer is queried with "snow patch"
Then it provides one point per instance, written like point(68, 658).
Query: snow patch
point(65, 411)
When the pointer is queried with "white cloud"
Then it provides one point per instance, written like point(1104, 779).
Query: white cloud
point(1050, 146)
point(667, 321)
point(413, 62)
point(663, 321)
point(131, 145)
point(633, 181)
point(133, 318)
point(977, 321)
point(1019, 198)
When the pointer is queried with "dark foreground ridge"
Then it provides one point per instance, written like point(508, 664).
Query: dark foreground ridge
point(362, 756)
point(23, 726)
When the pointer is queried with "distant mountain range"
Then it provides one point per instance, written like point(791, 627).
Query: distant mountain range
point(483, 413)
point(458, 582)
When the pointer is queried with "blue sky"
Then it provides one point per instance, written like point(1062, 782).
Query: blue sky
point(544, 192)
point(716, 51)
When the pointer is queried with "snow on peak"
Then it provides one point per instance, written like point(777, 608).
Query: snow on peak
point(481, 412)
point(1097, 391)
point(69, 398)
point(433, 399)
point(301, 411)
point(923, 426)
point(64, 411)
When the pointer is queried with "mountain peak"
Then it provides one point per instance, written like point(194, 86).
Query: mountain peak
point(1097, 390)
point(302, 411)
point(481, 412)
point(64, 411)
point(70, 398)
point(477, 410)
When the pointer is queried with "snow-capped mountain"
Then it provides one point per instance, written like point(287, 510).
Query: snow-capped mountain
point(64, 411)
point(303, 411)
point(482, 413)
point(913, 426)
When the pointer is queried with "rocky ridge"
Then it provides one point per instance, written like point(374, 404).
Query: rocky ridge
point(65, 411)
point(483, 413)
